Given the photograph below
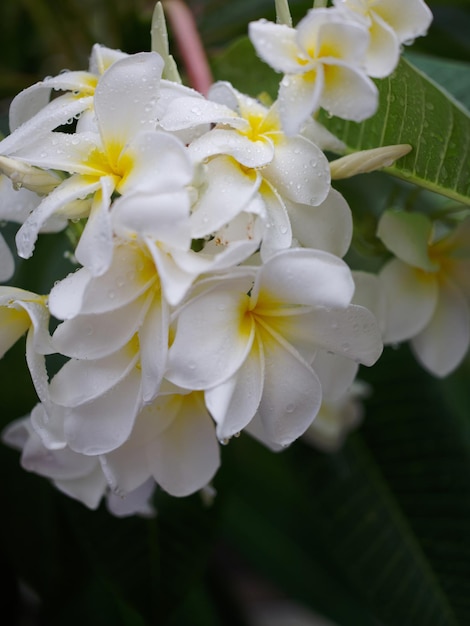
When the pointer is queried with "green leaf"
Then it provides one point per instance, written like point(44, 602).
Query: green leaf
point(454, 76)
point(375, 534)
point(414, 110)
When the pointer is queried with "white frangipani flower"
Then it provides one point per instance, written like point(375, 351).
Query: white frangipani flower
point(33, 113)
point(390, 24)
point(248, 157)
point(127, 154)
point(427, 289)
point(322, 62)
point(248, 339)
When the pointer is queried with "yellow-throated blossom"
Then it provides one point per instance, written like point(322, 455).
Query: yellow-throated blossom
point(427, 288)
point(249, 161)
point(124, 153)
point(322, 60)
point(247, 339)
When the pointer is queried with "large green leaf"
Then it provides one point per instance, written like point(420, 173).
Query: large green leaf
point(454, 76)
point(377, 533)
point(415, 110)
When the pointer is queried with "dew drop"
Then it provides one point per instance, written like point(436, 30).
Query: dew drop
point(225, 441)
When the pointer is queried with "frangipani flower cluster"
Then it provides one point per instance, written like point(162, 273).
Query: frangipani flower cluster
point(210, 295)
point(328, 58)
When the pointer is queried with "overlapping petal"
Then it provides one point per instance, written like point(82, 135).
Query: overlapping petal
point(106, 422)
point(185, 456)
point(443, 343)
point(289, 402)
point(276, 44)
point(213, 337)
point(411, 299)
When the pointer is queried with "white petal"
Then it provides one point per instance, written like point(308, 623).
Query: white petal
point(126, 467)
point(277, 233)
point(13, 324)
point(384, 49)
point(299, 97)
point(333, 36)
point(104, 424)
point(164, 217)
point(71, 189)
point(291, 395)
point(348, 92)
point(78, 381)
point(226, 191)
point(136, 502)
point(66, 297)
point(95, 247)
point(96, 336)
point(185, 457)
point(408, 18)
point(153, 338)
point(336, 374)
point(369, 294)
point(7, 262)
point(39, 316)
point(37, 369)
point(243, 149)
point(276, 44)
point(49, 425)
point(131, 273)
point(16, 204)
point(62, 464)
point(88, 490)
point(175, 280)
point(66, 152)
point(311, 277)
point(411, 296)
point(234, 403)
point(160, 163)
point(212, 337)
point(443, 343)
point(186, 112)
point(54, 114)
point(352, 332)
point(299, 170)
point(126, 96)
point(407, 235)
point(327, 226)
point(102, 57)
point(16, 433)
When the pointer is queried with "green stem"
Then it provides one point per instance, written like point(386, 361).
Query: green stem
point(283, 15)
